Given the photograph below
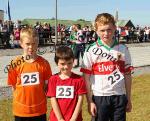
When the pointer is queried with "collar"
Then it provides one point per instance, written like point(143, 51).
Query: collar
point(100, 43)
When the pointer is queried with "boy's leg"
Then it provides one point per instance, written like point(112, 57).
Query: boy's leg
point(36, 118)
point(119, 108)
point(76, 55)
point(39, 118)
point(103, 106)
point(17, 118)
point(82, 49)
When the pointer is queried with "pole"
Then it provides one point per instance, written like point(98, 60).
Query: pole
point(56, 35)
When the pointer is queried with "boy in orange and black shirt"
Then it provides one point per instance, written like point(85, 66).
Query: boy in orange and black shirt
point(28, 74)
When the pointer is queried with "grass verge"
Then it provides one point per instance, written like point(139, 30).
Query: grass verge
point(140, 101)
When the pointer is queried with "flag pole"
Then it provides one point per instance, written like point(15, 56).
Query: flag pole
point(56, 35)
point(9, 16)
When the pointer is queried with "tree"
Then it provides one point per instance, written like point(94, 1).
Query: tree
point(53, 18)
point(80, 20)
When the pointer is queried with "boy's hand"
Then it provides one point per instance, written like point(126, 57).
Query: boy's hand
point(61, 120)
point(72, 119)
point(129, 106)
point(92, 108)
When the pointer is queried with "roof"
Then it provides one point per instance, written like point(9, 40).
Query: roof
point(123, 23)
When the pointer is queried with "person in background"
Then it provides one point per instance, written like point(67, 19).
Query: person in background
point(79, 45)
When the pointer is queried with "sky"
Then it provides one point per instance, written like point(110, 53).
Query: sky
point(138, 11)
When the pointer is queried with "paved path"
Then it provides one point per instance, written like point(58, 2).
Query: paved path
point(140, 54)
point(140, 57)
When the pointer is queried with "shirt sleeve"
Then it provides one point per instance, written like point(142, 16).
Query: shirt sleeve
point(12, 76)
point(87, 63)
point(82, 87)
point(47, 71)
point(51, 91)
point(128, 64)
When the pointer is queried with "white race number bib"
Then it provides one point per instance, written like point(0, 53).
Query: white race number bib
point(114, 78)
point(65, 92)
point(30, 78)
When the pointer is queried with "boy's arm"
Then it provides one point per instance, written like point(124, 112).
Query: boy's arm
point(77, 108)
point(88, 86)
point(56, 109)
point(128, 83)
point(14, 88)
point(46, 85)
point(12, 78)
point(91, 105)
point(47, 75)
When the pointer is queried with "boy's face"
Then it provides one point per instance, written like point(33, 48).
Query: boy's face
point(29, 45)
point(65, 66)
point(106, 32)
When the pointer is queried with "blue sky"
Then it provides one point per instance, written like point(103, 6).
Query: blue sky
point(136, 10)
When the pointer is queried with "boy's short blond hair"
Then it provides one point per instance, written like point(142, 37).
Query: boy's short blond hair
point(29, 32)
point(103, 19)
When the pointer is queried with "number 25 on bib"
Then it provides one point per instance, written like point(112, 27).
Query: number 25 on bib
point(65, 92)
point(30, 78)
point(114, 78)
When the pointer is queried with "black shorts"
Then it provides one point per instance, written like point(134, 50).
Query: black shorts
point(35, 118)
point(110, 108)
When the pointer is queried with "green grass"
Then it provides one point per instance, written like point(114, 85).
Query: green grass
point(6, 110)
point(52, 22)
point(140, 100)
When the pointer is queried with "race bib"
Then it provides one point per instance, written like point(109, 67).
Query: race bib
point(65, 92)
point(114, 78)
point(30, 78)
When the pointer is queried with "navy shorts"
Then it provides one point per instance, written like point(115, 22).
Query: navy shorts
point(35, 118)
point(110, 108)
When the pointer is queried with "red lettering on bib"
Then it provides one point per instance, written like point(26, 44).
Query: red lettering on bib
point(104, 68)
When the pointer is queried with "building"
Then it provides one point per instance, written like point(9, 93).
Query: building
point(125, 23)
point(1, 16)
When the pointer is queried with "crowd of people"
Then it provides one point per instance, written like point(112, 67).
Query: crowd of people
point(10, 33)
point(131, 34)
point(106, 79)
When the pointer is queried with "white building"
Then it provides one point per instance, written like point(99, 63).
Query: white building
point(2, 15)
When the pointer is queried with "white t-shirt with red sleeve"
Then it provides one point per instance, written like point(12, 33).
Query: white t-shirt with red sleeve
point(107, 66)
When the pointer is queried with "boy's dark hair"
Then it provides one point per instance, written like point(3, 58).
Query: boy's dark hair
point(63, 52)
point(78, 26)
